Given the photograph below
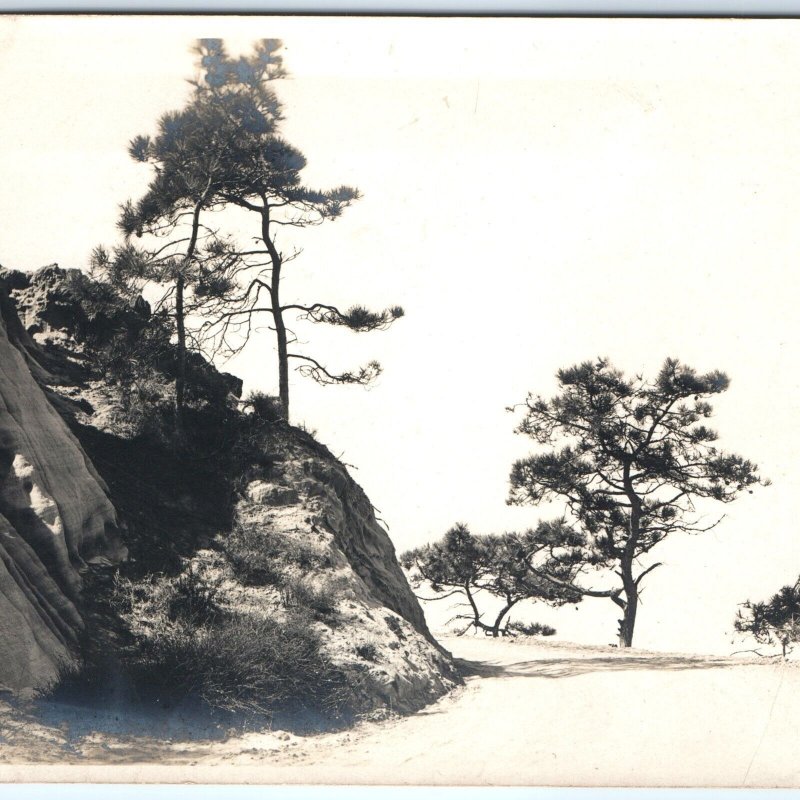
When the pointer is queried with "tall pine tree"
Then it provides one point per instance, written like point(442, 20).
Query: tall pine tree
point(628, 458)
point(261, 173)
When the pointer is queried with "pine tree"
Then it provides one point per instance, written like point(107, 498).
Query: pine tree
point(776, 620)
point(628, 458)
point(166, 242)
point(508, 566)
point(260, 172)
point(223, 150)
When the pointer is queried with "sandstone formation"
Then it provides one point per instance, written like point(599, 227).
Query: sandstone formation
point(312, 500)
point(54, 517)
point(57, 512)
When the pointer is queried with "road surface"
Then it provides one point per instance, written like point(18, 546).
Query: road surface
point(531, 713)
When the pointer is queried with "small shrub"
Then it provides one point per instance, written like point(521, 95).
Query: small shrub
point(147, 405)
point(253, 444)
point(193, 600)
point(776, 621)
point(367, 651)
point(238, 663)
point(166, 669)
point(247, 664)
point(261, 557)
point(395, 627)
point(265, 407)
point(310, 432)
point(299, 595)
point(530, 629)
point(254, 557)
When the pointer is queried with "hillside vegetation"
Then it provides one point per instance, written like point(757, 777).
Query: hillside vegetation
point(255, 578)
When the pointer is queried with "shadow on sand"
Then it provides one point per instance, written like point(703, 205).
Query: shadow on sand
point(571, 667)
point(70, 732)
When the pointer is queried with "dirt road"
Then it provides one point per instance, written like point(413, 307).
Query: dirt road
point(530, 713)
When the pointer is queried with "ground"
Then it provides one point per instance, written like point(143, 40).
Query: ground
point(531, 712)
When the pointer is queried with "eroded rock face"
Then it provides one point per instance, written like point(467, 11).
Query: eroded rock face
point(345, 510)
point(310, 502)
point(55, 514)
point(54, 517)
point(49, 301)
point(66, 307)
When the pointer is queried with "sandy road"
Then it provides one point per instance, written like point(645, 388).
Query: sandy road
point(530, 714)
point(558, 715)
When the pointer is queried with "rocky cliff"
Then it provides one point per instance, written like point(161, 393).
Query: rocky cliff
point(269, 532)
point(55, 516)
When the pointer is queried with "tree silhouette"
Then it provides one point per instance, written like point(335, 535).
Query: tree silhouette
point(776, 620)
point(508, 566)
point(166, 241)
point(628, 458)
point(223, 150)
point(260, 173)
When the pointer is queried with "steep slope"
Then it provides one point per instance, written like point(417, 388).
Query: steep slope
point(196, 518)
point(54, 517)
point(374, 625)
point(343, 509)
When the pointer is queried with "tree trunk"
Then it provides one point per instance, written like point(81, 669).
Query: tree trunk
point(631, 604)
point(180, 379)
point(283, 359)
point(277, 310)
point(501, 617)
point(629, 587)
point(626, 624)
point(475, 613)
point(180, 322)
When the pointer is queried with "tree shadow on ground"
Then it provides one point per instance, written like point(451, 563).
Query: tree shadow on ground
point(572, 667)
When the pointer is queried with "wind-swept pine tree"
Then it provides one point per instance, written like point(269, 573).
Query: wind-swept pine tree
point(260, 172)
point(777, 620)
point(628, 458)
point(166, 242)
point(509, 566)
point(222, 150)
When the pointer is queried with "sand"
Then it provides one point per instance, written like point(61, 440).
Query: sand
point(532, 712)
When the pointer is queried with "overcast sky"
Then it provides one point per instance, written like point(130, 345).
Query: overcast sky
point(536, 193)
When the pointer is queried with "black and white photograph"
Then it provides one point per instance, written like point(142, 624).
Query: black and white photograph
point(399, 401)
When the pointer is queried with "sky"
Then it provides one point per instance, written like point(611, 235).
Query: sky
point(535, 193)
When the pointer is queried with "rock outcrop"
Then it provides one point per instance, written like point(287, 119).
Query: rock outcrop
point(349, 515)
point(58, 515)
point(377, 629)
point(55, 516)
